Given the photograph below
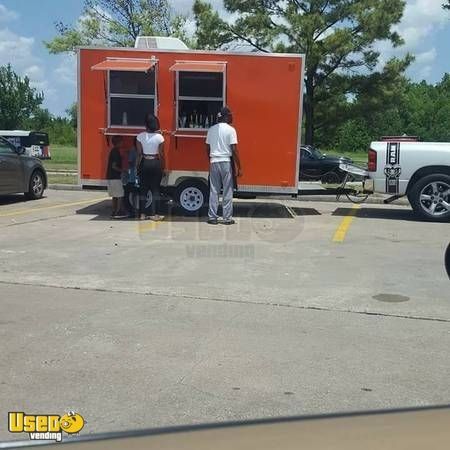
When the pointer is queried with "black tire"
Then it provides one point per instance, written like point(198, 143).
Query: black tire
point(429, 197)
point(36, 185)
point(192, 197)
point(131, 198)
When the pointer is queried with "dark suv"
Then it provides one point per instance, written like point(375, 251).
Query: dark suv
point(20, 173)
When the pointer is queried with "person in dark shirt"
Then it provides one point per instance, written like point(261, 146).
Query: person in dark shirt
point(131, 182)
point(114, 177)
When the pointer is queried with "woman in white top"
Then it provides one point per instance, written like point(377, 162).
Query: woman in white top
point(150, 163)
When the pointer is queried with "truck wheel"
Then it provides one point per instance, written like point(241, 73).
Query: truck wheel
point(192, 196)
point(35, 185)
point(430, 197)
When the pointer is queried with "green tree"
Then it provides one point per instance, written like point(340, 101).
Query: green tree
point(337, 37)
point(18, 100)
point(61, 131)
point(427, 110)
point(116, 23)
point(419, 109)
point(72, 112)
point(41, 120)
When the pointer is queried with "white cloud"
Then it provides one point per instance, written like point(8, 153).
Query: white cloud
point(6, 15)
point(423, 67)
point(420, 20)
point(66, 70)
point(19, 52)
point(426, 57)
point(16, 49)
point(33, 71)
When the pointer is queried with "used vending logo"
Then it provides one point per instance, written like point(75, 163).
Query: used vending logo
point(45, 427)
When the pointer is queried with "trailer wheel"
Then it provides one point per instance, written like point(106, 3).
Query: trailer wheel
point(192, 196)
point(132, 199)
point(430, 197)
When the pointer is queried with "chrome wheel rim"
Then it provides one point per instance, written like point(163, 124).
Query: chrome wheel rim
point(191, 198)
point(435, 198)
point(37, 185)
point(148, 199)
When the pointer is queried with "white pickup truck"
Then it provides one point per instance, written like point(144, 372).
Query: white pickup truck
point(420, 170)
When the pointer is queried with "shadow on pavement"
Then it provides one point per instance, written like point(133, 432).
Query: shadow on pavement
point(260, 210)
point(305, 211)
point(15, 198)
point(379, 213)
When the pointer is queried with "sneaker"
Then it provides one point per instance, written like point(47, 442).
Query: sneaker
point(228, 222)
point(212, 221)
point(157, 218)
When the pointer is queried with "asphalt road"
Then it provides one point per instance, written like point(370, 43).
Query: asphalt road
point(301, 307)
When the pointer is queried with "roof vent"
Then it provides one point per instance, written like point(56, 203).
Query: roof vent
point(159, 42)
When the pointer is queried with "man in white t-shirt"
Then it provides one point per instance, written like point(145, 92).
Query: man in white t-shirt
point(221, 145)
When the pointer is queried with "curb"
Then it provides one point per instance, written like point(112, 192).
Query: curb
point(65, 187)
point(62, 173)
point(372, 200)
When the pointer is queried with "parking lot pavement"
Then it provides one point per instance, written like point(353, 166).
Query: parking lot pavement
point(301, 307)
point(127, 361)
point(278, 253)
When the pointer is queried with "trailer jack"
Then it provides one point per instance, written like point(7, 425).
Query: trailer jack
point(392, 199)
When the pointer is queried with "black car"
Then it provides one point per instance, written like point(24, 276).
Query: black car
point(316, 166)
point(19, 172)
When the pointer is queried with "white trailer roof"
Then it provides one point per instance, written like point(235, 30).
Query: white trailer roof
point(14, 133)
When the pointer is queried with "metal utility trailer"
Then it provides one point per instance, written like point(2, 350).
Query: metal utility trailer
point(186, 89)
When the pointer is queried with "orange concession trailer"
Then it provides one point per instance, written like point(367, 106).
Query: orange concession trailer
point(185, 89)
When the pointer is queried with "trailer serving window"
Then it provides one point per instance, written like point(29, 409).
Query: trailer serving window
point(200, 93)
point(131, 90)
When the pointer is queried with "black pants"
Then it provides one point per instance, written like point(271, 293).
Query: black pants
point(150, 179)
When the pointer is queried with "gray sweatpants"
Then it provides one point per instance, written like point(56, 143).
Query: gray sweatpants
point(220, 177)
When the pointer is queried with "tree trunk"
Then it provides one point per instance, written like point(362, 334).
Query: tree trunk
point(309, 111)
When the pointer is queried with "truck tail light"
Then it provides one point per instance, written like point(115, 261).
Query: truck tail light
point(372, 165)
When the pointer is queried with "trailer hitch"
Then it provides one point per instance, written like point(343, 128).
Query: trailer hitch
point(393, 198)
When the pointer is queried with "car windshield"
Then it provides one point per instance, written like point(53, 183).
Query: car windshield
point(316, 153)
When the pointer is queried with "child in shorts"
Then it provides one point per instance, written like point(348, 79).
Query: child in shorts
point(114, 178)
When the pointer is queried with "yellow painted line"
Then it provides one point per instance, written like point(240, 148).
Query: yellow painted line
point(148, 225)
point(21, 212)
point(343, 227)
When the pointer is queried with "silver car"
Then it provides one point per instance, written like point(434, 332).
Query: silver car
point(20, 173)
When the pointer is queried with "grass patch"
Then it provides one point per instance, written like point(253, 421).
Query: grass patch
point(63, 158)
point(62, 179)
point(357, 157)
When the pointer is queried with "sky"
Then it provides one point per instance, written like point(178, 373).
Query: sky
point(25, 24)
